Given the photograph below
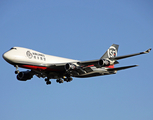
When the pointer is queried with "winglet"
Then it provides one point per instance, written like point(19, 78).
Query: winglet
point(147, 51)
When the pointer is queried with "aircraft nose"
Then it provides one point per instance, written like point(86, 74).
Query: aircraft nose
point(6, 56)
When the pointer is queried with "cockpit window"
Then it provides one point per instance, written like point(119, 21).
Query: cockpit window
point(13, 48)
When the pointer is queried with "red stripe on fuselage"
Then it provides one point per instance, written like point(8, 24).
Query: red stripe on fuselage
point(33, 67)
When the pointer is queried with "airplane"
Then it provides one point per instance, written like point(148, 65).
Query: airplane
point(63, 69)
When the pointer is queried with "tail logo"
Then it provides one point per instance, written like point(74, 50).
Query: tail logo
point(112, 52)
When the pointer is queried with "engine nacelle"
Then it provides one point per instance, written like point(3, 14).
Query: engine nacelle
point(24, 76)
point(103, 62)
point(70, 66)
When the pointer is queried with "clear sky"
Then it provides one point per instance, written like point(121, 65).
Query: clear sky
point(82, 30)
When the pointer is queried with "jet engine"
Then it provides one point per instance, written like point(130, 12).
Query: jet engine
point(70, 66)
point(103, 62)
point(24, 75)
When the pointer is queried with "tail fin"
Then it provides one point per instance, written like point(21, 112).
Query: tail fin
point(111, 52)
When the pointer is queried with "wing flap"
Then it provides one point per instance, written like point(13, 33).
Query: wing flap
point(121, 68)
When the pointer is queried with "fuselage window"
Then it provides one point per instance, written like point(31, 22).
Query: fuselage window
point(41, 58)
point(34, 57)
point(38, 58)
point(44, 59)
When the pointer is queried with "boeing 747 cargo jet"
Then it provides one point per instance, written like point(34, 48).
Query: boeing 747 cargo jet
point(63, 69)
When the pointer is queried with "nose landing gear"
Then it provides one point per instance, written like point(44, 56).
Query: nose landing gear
point(16, 71)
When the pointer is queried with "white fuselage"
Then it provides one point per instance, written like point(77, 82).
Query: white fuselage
point(19, 55)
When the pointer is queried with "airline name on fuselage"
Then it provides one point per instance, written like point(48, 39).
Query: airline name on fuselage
point(38, 54)
point(35, 55)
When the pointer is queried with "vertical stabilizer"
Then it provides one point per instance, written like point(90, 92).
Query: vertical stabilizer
point(111, 52)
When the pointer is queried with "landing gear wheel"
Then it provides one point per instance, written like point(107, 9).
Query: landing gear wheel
point(69, 79)
point(46, 79)
point(59, 81)
point(65, 79)
point(48, 82)
point(16, 72)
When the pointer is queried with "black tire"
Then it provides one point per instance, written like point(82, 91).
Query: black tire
point(48, 82)
point(16, 72)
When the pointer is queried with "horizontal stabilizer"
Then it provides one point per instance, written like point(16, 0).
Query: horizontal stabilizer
point(121, 68)
point(131, 55)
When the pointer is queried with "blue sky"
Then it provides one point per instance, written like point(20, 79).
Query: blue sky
point(81, 30)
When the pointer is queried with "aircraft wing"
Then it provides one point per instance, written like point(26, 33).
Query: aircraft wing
point(131, 55)
point(92, 62)
point(121, 68)
point(95, 62)
point(79, 63)
point(87, 63)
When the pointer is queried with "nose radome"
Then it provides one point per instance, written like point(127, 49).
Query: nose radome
point(6, 56)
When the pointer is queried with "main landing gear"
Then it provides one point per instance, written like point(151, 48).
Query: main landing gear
point(68, 79)
point(47, 81)
point(59, 81)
